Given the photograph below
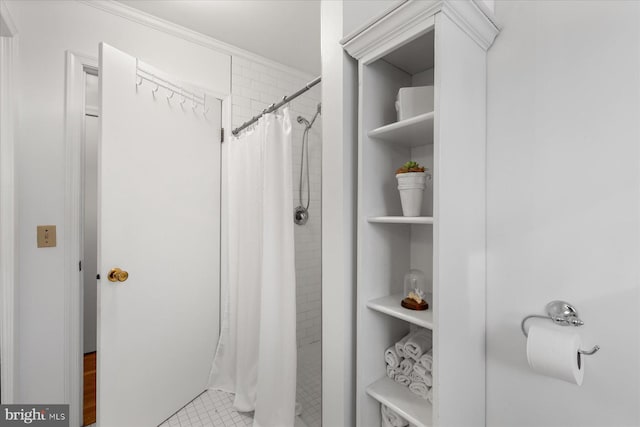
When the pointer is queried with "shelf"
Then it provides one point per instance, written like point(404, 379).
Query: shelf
point(401, 219)
point(390, 305)
point(412, 132)
point(409, 406)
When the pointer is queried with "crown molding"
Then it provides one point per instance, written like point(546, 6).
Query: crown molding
point(405, 22)
point(372, 21)
point(127, 12)
point(473, 19)
point(415, 17)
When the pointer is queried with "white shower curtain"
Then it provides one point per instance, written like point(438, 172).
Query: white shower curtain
point(256, 356)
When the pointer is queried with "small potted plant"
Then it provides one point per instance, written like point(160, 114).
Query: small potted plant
point(412, 179)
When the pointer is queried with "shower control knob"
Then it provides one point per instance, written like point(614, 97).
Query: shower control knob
point(117, 275)
point(300, 215)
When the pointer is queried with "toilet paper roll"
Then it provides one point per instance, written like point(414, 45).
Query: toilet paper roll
point(554, 353)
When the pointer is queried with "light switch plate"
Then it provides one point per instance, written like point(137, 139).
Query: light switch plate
point(46, 236)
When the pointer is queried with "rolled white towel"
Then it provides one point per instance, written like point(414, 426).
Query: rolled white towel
point(391, 419)
point(426, 378)
point(391, 372)
point(418, 344)
point(419, 388)
point(419, 368)
point(415, 377)
point(403, 379)
point(430, 395)
point(426, 360)
point(424, 374)
point(385, 421)
point(406, 366)
point(400, 345)
point(391, 357)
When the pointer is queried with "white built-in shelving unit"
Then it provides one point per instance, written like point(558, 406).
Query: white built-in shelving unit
point(405, 403)
point(440, 43)
point(412, 132)
point(390, 305)
point(401, 219)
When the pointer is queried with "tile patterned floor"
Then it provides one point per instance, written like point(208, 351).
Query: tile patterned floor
point(215, 408)
point(212, 408)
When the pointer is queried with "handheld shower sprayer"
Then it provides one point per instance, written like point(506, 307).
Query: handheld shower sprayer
point(301, 213)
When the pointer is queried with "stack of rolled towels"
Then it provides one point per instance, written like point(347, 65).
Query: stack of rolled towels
point(391, 419)
point(409, 362)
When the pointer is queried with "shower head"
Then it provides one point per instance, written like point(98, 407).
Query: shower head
point(306, 122)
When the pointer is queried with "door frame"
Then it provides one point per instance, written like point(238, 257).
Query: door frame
point(77, 64)
point(8, 218)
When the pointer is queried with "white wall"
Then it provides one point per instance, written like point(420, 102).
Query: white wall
point(46, 31)
point(563, 193)
point(339, 97)
point(254, 87)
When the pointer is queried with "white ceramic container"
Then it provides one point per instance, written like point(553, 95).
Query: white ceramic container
point(411, 186)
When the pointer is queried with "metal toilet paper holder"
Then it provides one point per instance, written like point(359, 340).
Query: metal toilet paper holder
point(564, 314)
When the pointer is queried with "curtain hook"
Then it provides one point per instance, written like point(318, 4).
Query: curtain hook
point(184, 99)
point(170, 96)
point(155, 90)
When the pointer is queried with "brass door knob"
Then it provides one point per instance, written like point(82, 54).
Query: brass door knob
point(117, 275)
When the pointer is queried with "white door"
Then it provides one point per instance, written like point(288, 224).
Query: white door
point(159, 220)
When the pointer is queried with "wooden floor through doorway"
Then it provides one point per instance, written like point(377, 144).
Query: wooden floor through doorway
point(89, 402)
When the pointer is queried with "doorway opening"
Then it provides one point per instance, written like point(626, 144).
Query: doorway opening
point(89, 243)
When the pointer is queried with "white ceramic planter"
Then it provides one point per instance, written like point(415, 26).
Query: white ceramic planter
point(411, 186)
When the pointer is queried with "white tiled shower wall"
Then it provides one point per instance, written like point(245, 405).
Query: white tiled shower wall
point(254, 86)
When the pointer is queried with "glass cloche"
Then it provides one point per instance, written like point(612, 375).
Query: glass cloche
point(415, 290)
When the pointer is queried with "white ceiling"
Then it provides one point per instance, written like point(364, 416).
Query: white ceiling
point(286, 31)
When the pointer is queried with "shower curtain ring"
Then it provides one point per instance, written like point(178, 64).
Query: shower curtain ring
point(139, 82)
point(155, 90)
point(184, 99)
point(170, 96)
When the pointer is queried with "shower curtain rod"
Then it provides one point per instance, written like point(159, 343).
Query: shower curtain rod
point(273, 107)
